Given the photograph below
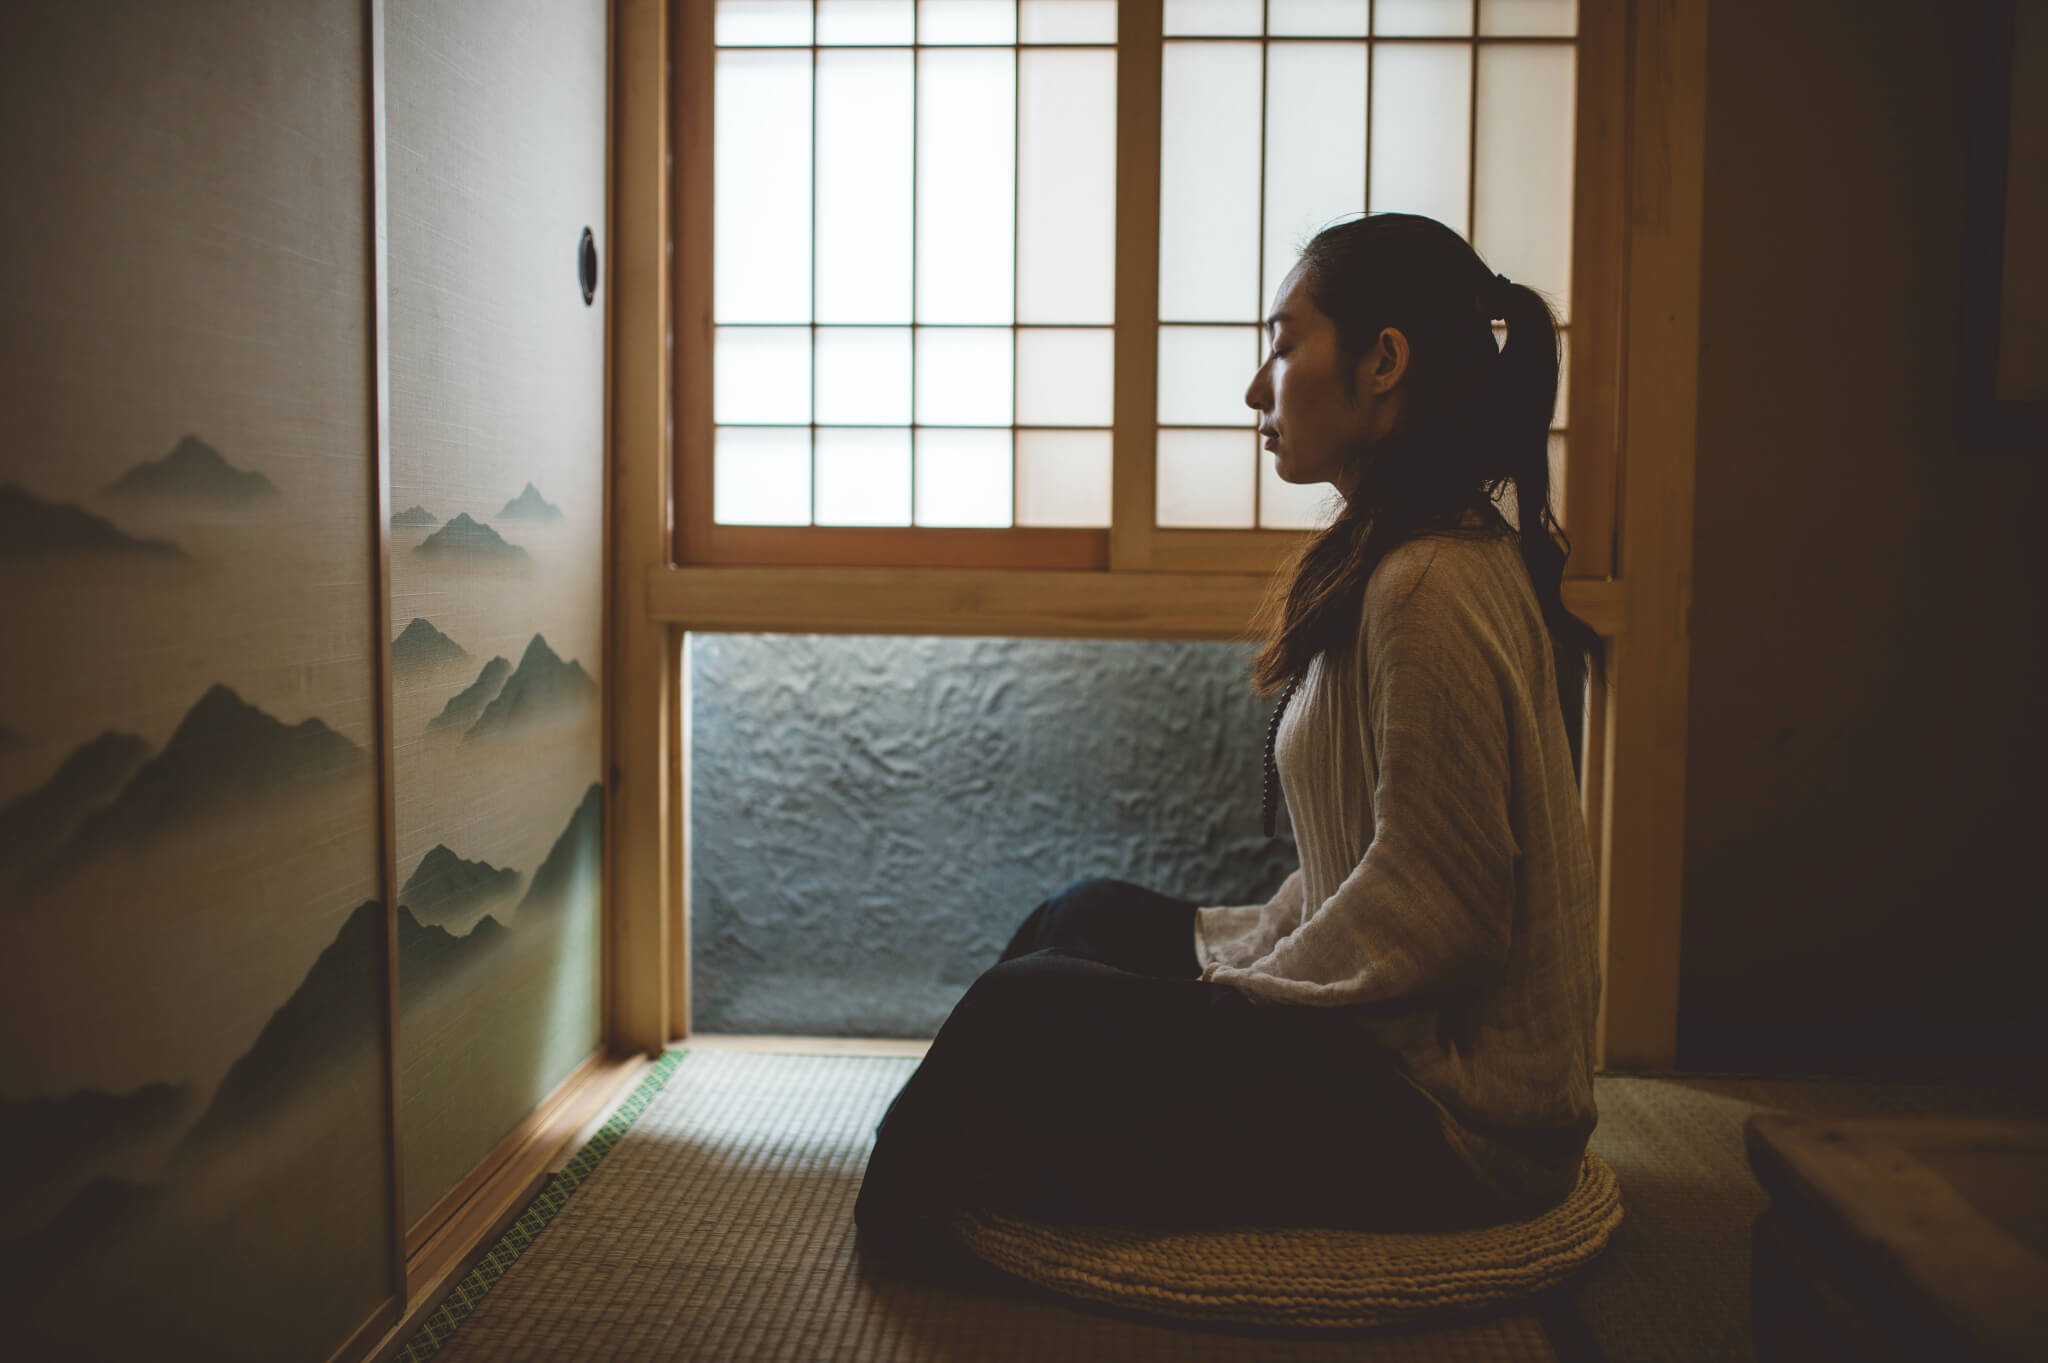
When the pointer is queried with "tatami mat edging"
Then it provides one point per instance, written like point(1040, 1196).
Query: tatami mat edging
point(448, 1317)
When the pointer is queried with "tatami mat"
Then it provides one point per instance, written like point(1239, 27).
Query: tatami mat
point(721, 1227)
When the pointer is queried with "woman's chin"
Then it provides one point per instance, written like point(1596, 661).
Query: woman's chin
point(1287, 473)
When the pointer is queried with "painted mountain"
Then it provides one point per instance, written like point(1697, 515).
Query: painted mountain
point(32, 824)
point(238, 1198)
point(429, 955)
point(195, 470)
point(420, 646)
point(575, 861)
point(530, 506)
point(412, 516)
point(335, 1014)
point(542, 688)
point(56, 1144)
point(33, 528)
point(465, 706)
point(463, 537)
point(103, 1208)
point(225, 753)
point(444, 886)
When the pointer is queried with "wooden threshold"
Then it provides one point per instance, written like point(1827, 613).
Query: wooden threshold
point(806, 1045)
point(446, 1243)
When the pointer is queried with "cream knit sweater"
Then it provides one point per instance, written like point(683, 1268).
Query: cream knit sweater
point(1446, 893)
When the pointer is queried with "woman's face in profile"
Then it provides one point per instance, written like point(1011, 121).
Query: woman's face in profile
point(1314, 430)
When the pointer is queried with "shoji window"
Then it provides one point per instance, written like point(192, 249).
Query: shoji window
point(985, 278)
point(914, 230)
point(1279, 117)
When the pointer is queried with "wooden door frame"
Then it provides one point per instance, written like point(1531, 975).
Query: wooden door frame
point(1648, 127)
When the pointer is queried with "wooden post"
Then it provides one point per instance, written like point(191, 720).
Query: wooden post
point(1643, 840)
point(641, 676)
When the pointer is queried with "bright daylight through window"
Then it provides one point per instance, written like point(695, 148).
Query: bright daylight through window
point(915, 230)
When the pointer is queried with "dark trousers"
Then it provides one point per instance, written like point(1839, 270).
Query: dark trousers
point(1091, 1076)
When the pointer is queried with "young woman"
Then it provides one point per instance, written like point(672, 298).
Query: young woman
point(1402, 1037)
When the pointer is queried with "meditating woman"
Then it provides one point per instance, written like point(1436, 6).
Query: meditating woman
point(1401, 1038)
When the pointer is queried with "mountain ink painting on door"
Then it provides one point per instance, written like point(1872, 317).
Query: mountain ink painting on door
point(192, 1094)
point(497, 167)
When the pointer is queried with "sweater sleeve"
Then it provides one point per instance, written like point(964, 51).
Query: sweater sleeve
point(1241, 933)
point(1426, 914)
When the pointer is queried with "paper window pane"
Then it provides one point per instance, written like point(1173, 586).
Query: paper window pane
point(1315, 147)
point(1066, 247)
point(761, 375)
point(864, 376)
point(761, 186)
point(865, 21)
point(1522, 210)
point(1560, 418)
point(967, 21)
point(966, 186)
point(1421, 18)
point(863, 477)
point(1203, 17)
point(1067, 21)
point(1557, 457)
point(761, 476)
point(1063, 478)
point(1294, 506)
point(781, 23)
point(1205, 478)
point(963, 478)
point(1066, 377)
point(1317, 18)
point(1421, 121)
point(1203, 375)
point(864, 194)
point(1538, 18)
point(965, 376)
point(1209, 182)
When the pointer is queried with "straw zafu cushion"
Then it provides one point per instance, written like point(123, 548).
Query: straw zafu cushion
point(1327, 1279)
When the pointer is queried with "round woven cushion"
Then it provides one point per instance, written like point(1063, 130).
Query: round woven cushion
point(1312, 1278)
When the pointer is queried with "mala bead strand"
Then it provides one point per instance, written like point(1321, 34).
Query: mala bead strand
point(1266, 802)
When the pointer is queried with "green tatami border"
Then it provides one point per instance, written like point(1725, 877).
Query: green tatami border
point(449, 1315)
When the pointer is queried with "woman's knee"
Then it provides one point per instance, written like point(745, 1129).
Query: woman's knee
point(1026, 996)
point(1091, 890)
point(1062, 919)
point(1007, 986)
point(1068, 915)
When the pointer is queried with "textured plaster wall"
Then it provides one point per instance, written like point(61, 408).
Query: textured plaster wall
point(872, 817)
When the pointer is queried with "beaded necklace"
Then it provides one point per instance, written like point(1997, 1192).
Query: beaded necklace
point(1266, 802)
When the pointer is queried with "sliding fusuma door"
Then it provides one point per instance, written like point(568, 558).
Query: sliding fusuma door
point(193, 1108)
point(496, 168)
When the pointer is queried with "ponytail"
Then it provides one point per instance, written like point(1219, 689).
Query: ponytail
point(1527, 396)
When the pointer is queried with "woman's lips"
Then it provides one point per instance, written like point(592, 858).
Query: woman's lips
point(1272, 442)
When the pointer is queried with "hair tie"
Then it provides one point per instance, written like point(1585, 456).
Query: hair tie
point(1497, 310)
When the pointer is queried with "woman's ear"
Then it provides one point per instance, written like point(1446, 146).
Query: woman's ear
point(1382, 366)
point(1389, 359)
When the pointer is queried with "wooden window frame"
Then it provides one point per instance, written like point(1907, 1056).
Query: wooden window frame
point(1634, 319)
point(1132, 542)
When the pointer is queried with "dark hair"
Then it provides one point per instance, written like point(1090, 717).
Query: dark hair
point(1475, 422)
